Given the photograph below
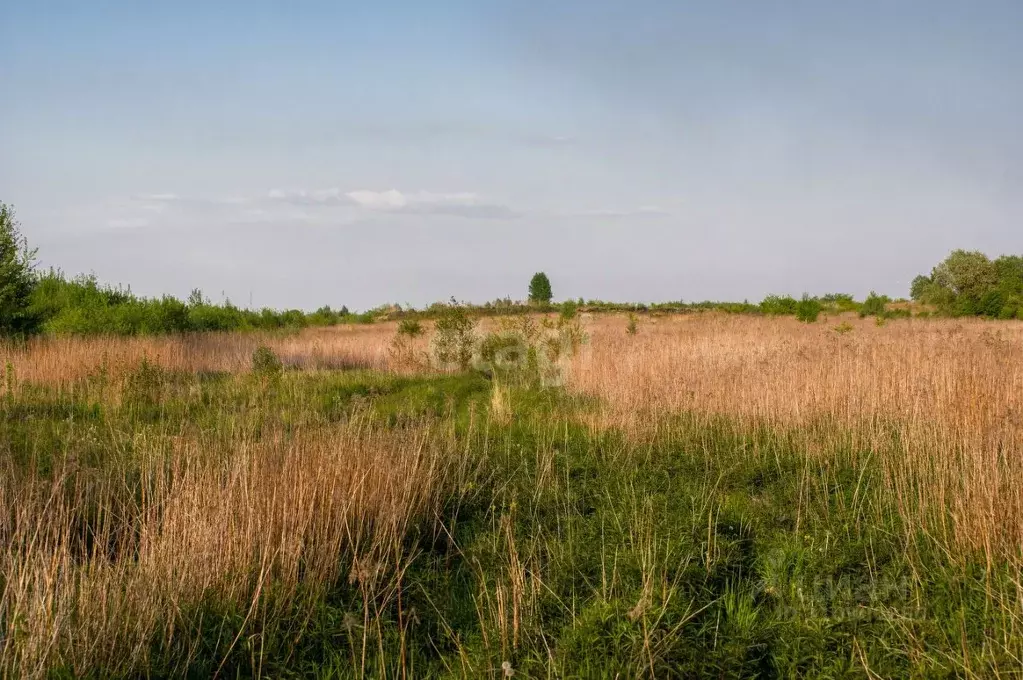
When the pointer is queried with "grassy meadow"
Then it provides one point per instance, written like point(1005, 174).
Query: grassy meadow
point(601, 497)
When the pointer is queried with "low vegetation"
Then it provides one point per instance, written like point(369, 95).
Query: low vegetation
point(233, 508)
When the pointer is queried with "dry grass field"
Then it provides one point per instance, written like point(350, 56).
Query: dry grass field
point(66, 360)
point(169, 511)
point(939, 402)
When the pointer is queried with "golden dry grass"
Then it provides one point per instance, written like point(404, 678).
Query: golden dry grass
point(207, 530)
point(940, 402)
point(68, 359)
point(943, 399)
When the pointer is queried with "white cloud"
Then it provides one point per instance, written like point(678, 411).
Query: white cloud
point(461, 204)
point(334, 206)
point(391, 199)
point(308, 197)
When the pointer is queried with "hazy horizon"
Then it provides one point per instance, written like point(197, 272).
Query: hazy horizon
point(360, 154)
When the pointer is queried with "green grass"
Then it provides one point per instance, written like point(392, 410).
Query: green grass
point(707, 550)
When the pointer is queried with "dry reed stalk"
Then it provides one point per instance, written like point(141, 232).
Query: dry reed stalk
point(940, 401)
point(65, 360)
point(93, 570)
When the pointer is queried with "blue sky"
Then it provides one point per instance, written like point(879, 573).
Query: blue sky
point(302, 153)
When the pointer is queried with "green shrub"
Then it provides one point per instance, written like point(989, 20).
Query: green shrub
point(81, 305)
point(874, 305)
point(808, 309)
point(144, 385)
point(632, 328)
point(403, 348)
point(1012, 308)
point(991, 304)
point(779, 305)
point(506, 354)
point(410, 328)
point(266, 363)
point(454, 342)
point(325, 316)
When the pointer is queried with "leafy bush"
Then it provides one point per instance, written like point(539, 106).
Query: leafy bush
point(266, 363)
point(632, 328)
point(1012, 308)
point(841, 302)
point(874, 305)
point(808, 309)
point(325, 316)
point(506, 354)
point(527, 352)
point(991, 303)
point(403, 348)
point(454, 342)
point(410, 328)
point(779, 305)
point(144, 385)
point(81, 305)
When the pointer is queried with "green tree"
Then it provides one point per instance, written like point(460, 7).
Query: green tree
point(17, 278)
point(196, 299)
point(1010, 274)
point(919, 288)
point(969, 274)
point(540, 289)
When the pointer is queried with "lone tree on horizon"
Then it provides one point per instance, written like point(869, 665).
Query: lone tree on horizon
point(540, 289)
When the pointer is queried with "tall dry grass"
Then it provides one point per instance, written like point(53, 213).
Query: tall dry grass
point(942, 399)
point(66, 360)
point(101, 568)
point(938, 403)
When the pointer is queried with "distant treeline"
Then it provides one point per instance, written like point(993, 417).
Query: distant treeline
point(966, 283)
point(772, 305)
point(81, 306)
point(969, 283)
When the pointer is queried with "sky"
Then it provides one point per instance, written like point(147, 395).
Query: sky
point(296, 154)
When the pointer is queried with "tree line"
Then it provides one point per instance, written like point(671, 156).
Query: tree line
point(969, 283)
point(33, 302)
point(966, 283)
